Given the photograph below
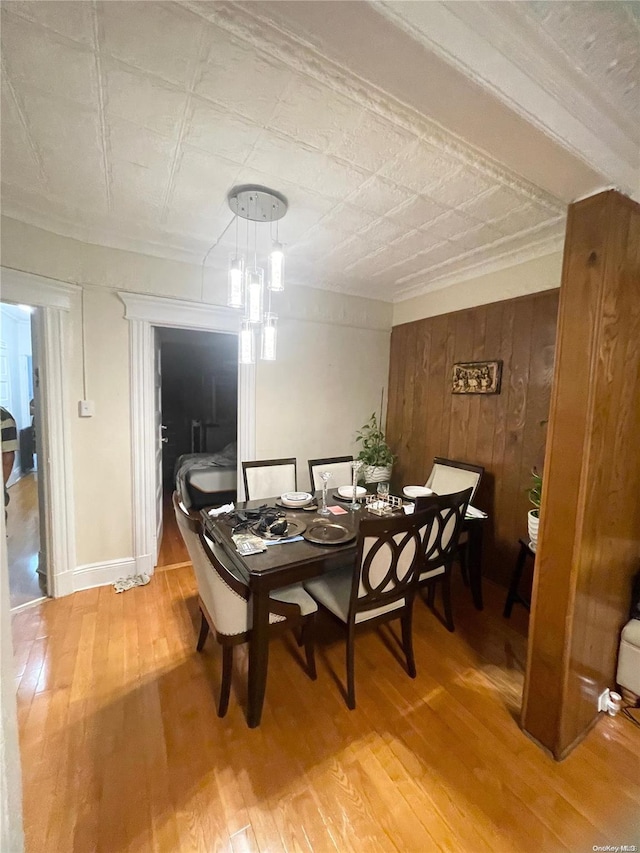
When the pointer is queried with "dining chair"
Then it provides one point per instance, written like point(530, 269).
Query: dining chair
point(338, 466)
point(224, 600)
point(439, 544)
point(380, 588)
point(268, 478)
point(447, 477)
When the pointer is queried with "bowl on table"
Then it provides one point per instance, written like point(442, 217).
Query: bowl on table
point(347, 491)
point(296, 499)
point(416, 492)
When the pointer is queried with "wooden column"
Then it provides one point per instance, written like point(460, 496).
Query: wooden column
point(589, 540)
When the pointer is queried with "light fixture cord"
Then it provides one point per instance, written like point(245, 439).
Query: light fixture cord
point(208, 252)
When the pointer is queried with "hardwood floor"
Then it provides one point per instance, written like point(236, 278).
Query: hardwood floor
point(173, 551)
point(122, 749)
point(23, 541)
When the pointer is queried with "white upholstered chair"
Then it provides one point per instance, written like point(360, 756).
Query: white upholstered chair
point(439, 545)
point(225, 601)
point(338, 466)
point(380, 587)
point(449, 476)
point(268, 478)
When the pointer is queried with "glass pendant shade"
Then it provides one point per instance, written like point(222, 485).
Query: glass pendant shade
point(269, 337)
point(235, 277)
point(245, 344)
point(255, 295)
point(276, 271)
point(256, 267)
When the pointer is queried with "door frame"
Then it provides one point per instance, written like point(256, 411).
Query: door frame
point(144, 312)
point(54, 300)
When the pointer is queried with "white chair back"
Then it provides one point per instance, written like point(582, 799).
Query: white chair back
point(446, 479)
point(341, 474)
point(269, 480)
point(229, 610)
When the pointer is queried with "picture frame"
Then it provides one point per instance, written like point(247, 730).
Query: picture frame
point(476, 377)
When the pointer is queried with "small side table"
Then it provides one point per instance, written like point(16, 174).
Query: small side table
point(513, 596)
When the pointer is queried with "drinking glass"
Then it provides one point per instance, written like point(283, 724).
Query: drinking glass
point(325, 476)
point(383, 492)
point(356, 465)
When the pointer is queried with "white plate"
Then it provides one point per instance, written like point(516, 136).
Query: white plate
point(416, 491)
point(347, 491)
point(296, 498)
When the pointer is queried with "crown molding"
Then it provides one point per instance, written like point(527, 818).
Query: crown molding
point(548, 245)
point(104, 234)
point(513, 61)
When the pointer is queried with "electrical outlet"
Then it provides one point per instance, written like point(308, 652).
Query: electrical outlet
point(603, 701)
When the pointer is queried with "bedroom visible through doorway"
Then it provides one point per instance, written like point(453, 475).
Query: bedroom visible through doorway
point(199, 408)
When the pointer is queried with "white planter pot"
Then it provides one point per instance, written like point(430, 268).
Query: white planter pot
point(533, 521)
point(376, 473)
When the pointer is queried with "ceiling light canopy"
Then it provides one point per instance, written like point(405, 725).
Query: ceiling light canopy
point(260, 207)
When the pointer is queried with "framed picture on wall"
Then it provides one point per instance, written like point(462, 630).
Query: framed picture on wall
point(476, 377)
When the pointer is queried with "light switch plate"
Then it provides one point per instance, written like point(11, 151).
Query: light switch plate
point(86, 408)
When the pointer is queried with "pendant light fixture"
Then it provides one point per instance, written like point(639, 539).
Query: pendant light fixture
point(259, 206)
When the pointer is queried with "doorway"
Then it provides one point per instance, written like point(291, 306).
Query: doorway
point(19, 395)
point(199, 406)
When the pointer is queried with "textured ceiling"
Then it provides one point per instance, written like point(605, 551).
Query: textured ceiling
point(127, 124)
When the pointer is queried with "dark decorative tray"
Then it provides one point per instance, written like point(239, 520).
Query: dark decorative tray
point(328, 533)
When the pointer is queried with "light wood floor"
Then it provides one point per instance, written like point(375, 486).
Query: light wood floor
point(122, 749)
point(173, 551)
point(23, 541)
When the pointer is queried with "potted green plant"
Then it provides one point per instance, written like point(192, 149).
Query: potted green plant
point(376, 454)
point(533, 517)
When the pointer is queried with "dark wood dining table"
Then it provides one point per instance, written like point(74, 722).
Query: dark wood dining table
point(285, 563)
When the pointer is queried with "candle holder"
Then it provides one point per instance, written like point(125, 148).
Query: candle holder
point(325, 476)
point(355, 505)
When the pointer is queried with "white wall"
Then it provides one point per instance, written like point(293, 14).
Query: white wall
point(323, 387)
point(530, 277)
point(333, 361)
point(101, 445)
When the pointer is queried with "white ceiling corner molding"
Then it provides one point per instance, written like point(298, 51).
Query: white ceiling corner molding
point(465, 272)
point(512, 60)
point(101, 232)
point(30, 289)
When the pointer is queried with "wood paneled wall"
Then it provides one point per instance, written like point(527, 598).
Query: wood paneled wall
point(589, 543)
point(504, 432)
